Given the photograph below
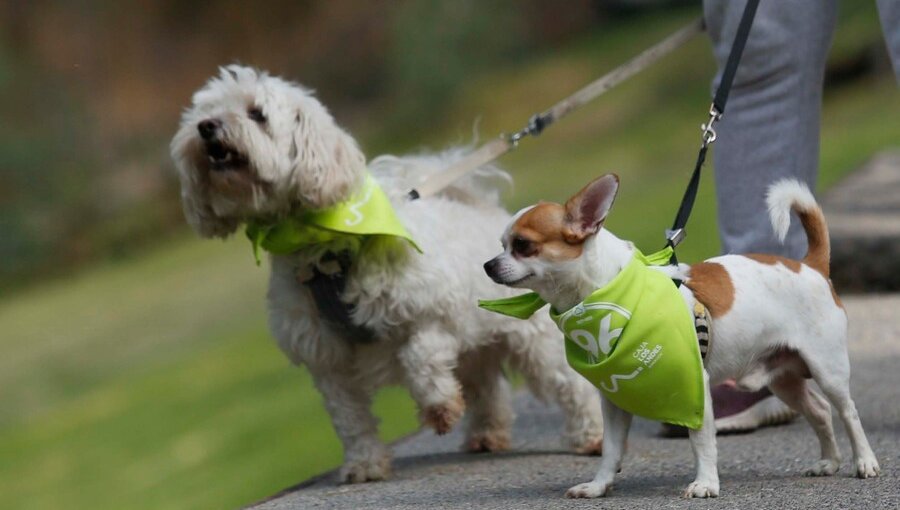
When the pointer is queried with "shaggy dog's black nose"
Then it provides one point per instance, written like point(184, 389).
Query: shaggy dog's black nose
point(208, 128)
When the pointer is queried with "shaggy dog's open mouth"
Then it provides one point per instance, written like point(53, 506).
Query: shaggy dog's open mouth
point(222, 157)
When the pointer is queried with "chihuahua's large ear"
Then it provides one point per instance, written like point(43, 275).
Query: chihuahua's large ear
point(587, 210)
point(327, 165)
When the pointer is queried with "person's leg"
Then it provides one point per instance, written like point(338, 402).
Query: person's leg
point(770, 129)
point(889, 12)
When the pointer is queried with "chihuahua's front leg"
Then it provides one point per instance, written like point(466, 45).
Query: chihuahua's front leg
point(703, 442)
point(617, 422)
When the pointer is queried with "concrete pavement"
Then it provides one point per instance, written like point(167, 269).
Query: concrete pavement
point(762, 470)
point(863, 213)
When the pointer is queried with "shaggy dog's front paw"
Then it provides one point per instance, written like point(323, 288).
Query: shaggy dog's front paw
point(368, 470)
point(824, 467)
point(488, 441)
point(867, 467)
point(442, 417)
point(702, 489)
point(587, 490)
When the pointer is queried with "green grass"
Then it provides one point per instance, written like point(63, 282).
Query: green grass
point(153, 383)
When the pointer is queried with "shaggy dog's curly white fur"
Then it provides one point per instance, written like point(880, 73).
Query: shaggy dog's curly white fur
point(256, 146)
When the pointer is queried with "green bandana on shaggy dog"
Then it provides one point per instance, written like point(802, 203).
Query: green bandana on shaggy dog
point(634, 339)
point(369, 212)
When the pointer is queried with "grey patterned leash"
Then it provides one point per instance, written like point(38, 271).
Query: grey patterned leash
point(537, 123)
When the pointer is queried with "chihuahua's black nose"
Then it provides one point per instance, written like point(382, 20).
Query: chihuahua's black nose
point(490, 267)
point(208, 128)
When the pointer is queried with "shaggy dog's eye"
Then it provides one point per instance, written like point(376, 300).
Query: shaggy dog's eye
point(256, 114)
point(523, 247)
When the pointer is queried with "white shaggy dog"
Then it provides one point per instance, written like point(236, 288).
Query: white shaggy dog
point(253, 146)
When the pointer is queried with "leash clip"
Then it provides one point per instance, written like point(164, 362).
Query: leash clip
point(709, 133)
point(674, 237)
point(536, 125)
point(515, 137)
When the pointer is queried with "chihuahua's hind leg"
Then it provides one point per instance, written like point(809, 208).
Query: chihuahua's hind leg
point(796, 393)
point(833, 376)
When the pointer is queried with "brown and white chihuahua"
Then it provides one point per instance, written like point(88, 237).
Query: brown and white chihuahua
point(776, 322)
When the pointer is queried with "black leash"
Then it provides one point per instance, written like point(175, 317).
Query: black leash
point(677, 233)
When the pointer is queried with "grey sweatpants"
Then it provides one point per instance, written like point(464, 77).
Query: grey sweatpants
point(770, 129)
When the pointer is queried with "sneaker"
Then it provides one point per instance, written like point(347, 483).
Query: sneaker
point(739, 411)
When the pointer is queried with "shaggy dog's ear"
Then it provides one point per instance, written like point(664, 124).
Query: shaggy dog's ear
point(194, 201)
point(201, 216)
point(327, 165)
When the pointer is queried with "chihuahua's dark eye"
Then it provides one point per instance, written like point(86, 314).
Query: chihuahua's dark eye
point(256, 114)
point(523, 247)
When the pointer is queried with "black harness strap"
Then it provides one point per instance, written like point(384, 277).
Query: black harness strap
point(677, 233)
point(702, 328)
point(326, 290)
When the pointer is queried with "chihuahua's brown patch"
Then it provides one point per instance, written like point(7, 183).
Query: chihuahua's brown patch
point(712, 286)
point(545, 225)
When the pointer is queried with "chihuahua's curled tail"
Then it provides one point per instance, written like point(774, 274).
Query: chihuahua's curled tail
point(789, 194)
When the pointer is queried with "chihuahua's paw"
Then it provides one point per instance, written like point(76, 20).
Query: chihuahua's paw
point(867, 467)
point(824, 467)
point(588, 490)
point(488, 441)
point(702, 489)
point(366, 470)
point(442, 417)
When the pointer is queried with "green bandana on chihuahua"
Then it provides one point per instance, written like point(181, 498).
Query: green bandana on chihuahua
point(633, 339)
point(368, 212)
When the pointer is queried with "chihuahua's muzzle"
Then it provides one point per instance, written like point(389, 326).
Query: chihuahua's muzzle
point(490, 267)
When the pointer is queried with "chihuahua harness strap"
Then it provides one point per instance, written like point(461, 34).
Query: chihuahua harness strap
point(634, 340)
point(368, 213)
point(703, 328)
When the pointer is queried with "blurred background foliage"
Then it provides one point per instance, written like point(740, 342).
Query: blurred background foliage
point(90, 92)
point(136, 369)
